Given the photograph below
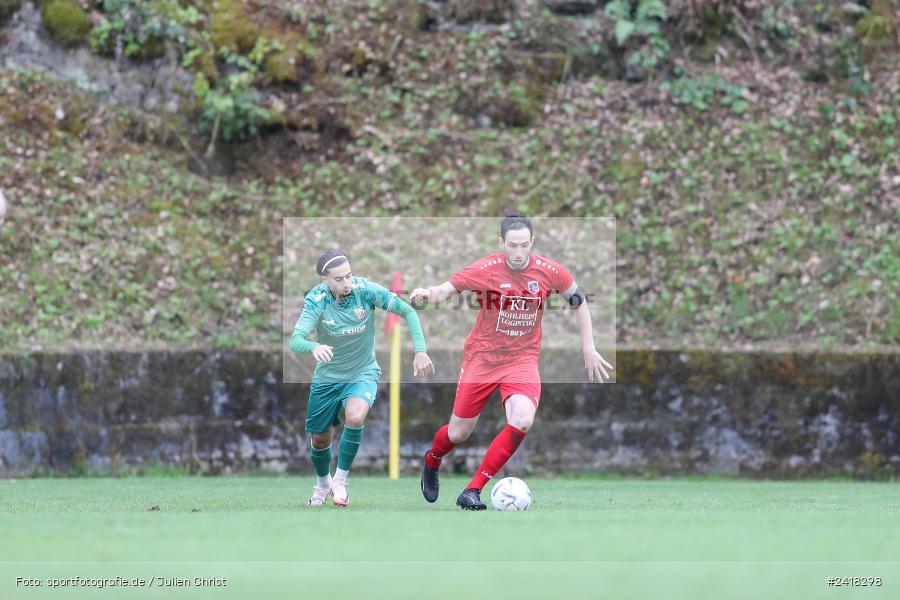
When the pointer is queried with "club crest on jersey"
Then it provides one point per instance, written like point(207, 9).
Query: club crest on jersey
point(533, 287)
point(360, 312)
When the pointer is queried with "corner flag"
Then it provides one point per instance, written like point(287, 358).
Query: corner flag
point(391, 329)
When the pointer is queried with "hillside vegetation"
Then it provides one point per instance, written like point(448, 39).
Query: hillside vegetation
point(749, 151)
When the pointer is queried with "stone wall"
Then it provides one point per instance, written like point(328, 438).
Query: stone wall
point(157, 85)
point(753, 414)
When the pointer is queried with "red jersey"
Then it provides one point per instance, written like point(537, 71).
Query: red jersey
point(511, 304)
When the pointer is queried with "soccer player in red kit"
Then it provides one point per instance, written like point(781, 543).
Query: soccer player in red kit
point(512, 288)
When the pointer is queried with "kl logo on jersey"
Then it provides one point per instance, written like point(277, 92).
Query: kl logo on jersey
point(533, 287)
point(360, 312)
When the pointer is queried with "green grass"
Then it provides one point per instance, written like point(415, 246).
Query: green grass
point(610, 538)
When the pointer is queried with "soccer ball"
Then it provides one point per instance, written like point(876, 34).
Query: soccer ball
point(510, 493)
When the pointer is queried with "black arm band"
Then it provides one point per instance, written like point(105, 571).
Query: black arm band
point(576, 298)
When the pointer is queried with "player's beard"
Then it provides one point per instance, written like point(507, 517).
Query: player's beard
point(518, 266)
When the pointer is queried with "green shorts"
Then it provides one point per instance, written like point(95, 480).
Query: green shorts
point(327, 400)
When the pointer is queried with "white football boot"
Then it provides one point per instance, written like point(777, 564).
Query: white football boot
point(339, 492)
point(320, 495)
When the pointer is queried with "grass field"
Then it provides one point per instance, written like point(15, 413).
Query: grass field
point(583, 538)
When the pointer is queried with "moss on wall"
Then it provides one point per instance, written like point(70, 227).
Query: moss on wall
point(66, 22)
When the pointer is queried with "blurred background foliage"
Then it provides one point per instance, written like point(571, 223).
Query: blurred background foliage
point(748, 149)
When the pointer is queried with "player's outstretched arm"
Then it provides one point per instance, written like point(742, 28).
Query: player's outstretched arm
point(433, 295)
point(422, 364)
point(595, 364)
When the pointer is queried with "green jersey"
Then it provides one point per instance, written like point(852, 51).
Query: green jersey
point(349, 327)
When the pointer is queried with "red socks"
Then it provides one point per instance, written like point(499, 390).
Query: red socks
point(441, 447)
point(501, 449)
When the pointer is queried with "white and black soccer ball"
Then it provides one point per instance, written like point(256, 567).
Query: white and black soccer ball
point(511, 493)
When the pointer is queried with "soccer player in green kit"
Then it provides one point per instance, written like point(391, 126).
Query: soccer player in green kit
point(341, 310)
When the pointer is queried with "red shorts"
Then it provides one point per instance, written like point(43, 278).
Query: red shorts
point(477, 381)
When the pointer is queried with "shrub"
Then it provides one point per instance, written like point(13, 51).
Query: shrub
point(66, 21)
point(232, 112)
point(140, 29)
point(640, 19)
point(231, 27)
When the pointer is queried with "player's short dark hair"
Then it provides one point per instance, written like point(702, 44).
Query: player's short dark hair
point(515, 220)
point(339, 256)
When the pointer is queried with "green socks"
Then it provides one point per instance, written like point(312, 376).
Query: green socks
point(321, 459)
point(349, 445)
point(350, 441)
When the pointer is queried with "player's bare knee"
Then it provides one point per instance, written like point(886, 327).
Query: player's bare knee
point(356, 416)
point(459, 431)
point(320, 441)
point(355, 413)
point(520, 412)
point(458, 435)
point(355, 420)
point(522, 422)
